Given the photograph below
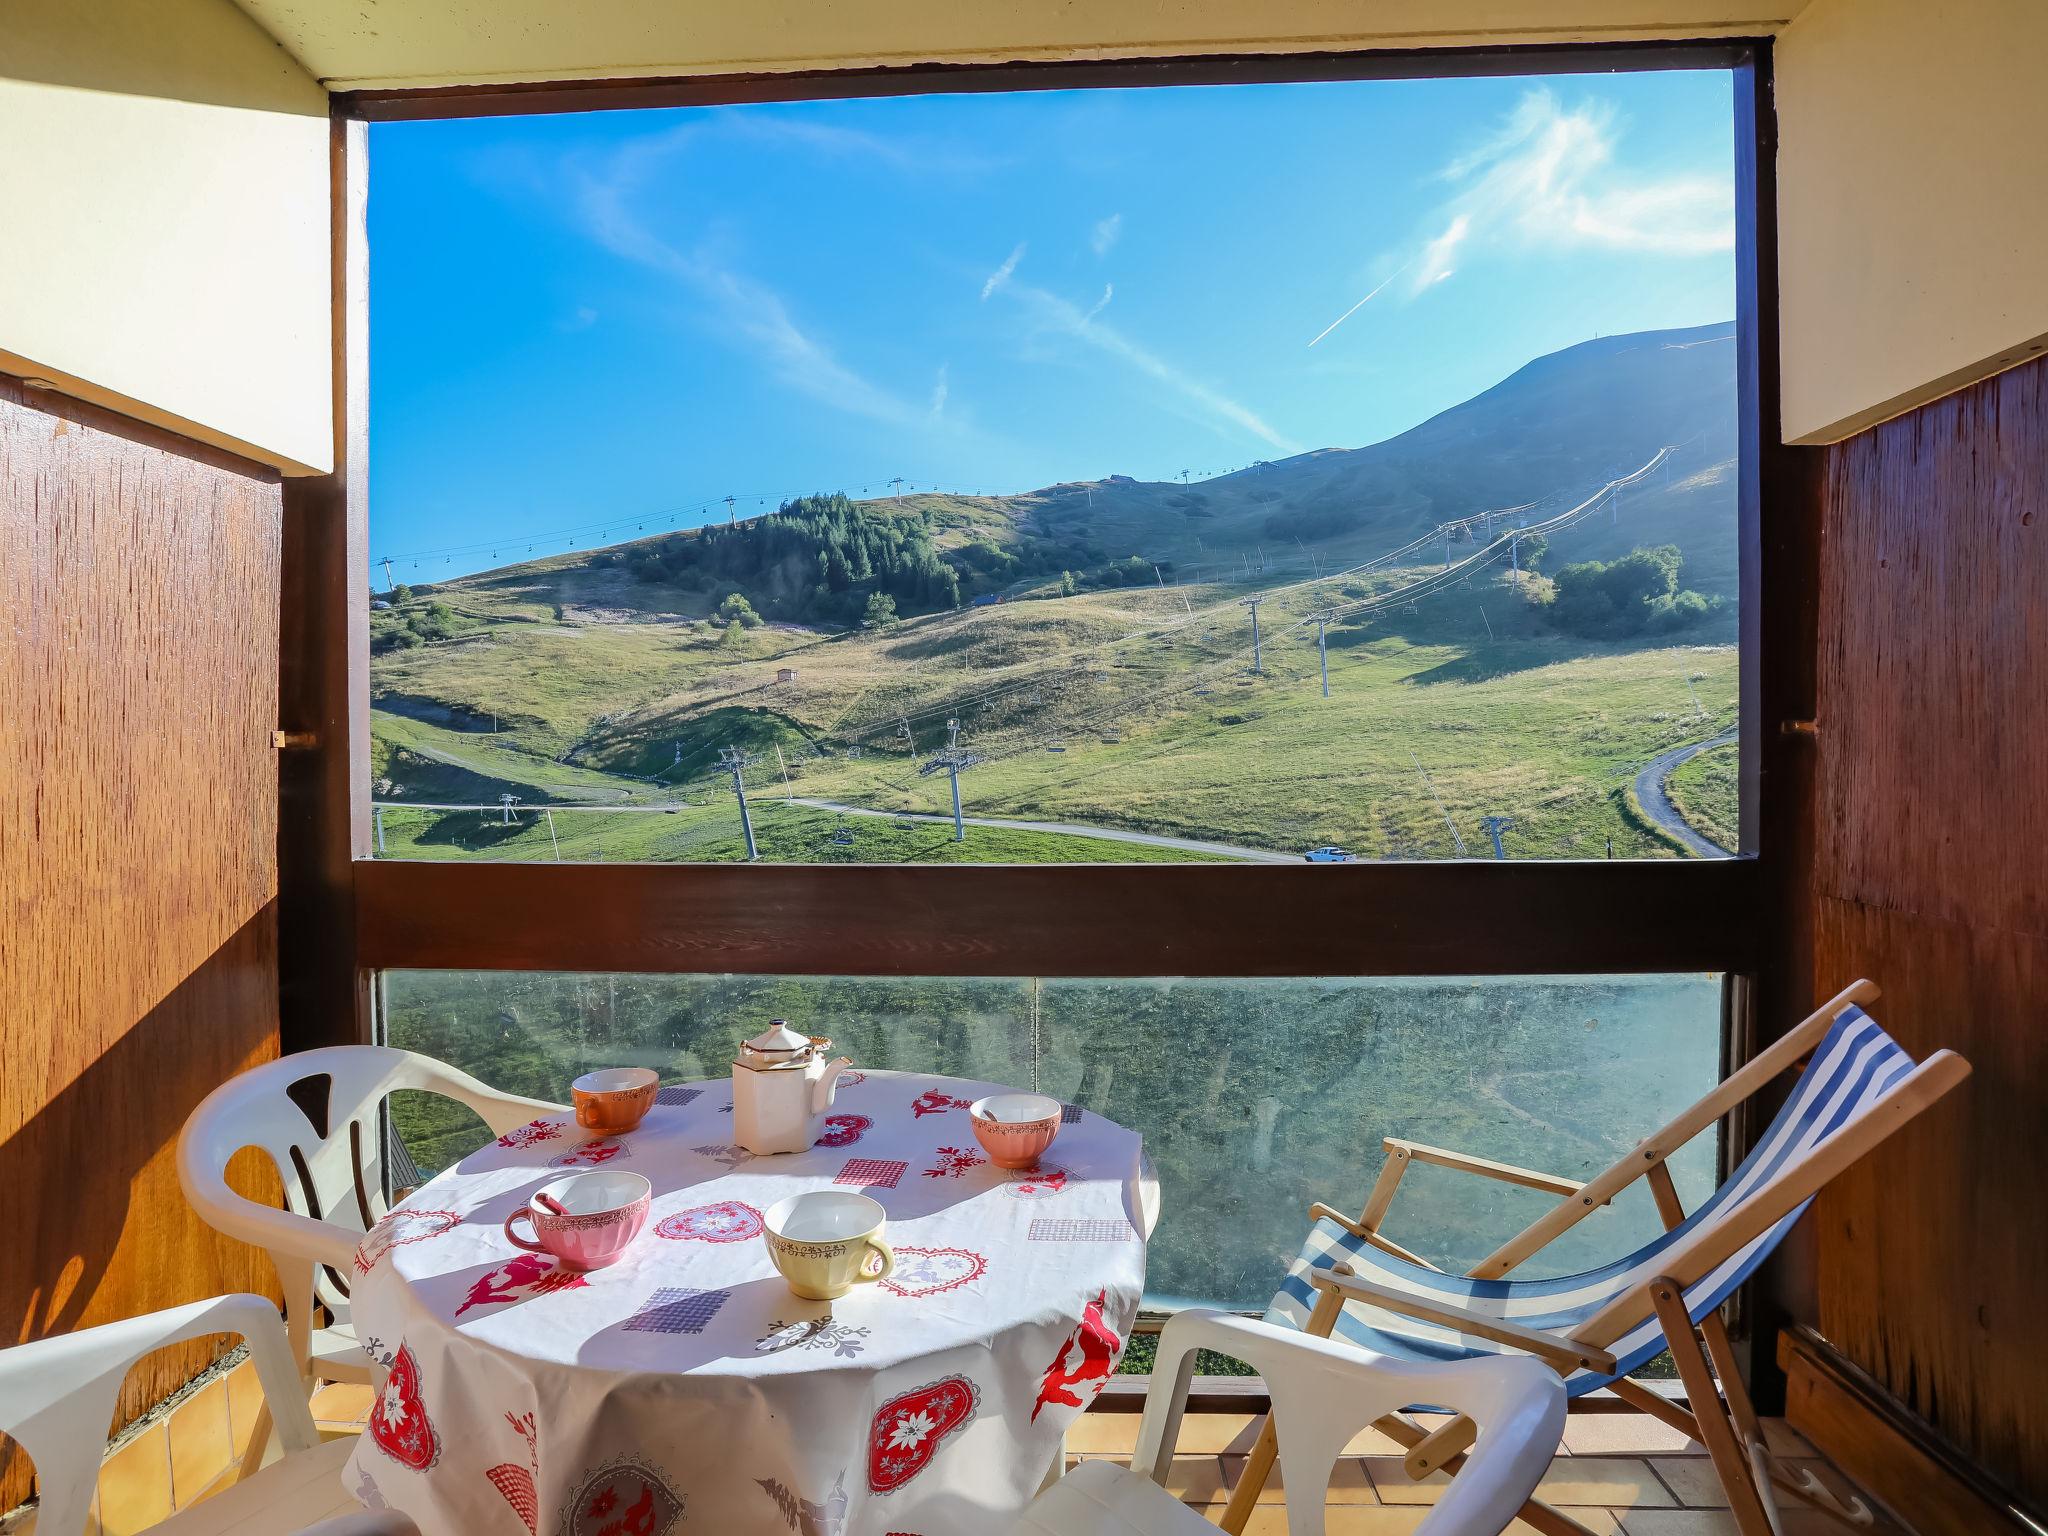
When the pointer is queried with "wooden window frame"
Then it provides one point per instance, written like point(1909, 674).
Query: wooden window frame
point(344, 915)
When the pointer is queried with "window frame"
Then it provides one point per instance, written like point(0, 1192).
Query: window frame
point(345, 915)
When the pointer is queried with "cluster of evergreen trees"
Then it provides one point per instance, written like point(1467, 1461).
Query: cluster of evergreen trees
point(819, 559)
point(1612, 599)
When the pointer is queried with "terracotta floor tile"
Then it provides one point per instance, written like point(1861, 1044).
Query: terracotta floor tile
point(1678, 1522)
point(1693, 1479)
point(346, 1405)
point(1613, 1482)
point(1355, 1520)
point(1348, 1483)
point(135, 1483)
point(201, 1443)
point(1601, 1522)
point(1627, 1434)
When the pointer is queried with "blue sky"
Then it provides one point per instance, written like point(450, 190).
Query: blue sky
point(611, 318)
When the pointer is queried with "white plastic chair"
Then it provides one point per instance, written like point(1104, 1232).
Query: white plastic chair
point(332, 1169)
point(1323, 1393)
point(57, 1397)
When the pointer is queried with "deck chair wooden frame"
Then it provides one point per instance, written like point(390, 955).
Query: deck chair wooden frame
point(1719, 1413)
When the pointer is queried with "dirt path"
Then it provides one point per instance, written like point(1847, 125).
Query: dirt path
point(1070, 829)
point(1657, 805)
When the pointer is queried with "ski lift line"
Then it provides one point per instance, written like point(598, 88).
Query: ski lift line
point(1423, 587)
point(619, 524)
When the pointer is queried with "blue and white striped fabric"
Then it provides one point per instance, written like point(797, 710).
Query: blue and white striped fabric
point(1851, 1068)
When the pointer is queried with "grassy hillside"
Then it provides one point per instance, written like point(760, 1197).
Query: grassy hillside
point(1110, 693)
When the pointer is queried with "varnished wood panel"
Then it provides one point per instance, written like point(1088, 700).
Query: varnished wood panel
point(1043, 920)
point(1931, 877)
point(138, 682)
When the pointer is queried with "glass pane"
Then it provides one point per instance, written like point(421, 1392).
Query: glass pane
point(1339, 471)
point(1255, 1098)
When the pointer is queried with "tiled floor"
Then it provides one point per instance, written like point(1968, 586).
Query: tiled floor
point(1619, 1474)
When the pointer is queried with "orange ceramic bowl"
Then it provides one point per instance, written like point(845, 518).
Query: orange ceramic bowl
point(616, 1099)
point(1014, 1128)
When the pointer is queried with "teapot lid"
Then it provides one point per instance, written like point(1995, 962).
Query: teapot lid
point(778, 1040)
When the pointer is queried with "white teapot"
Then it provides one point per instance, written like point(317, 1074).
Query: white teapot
point(782, 1085)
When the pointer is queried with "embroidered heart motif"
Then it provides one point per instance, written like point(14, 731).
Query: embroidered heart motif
point(516, 1484)
point(592, 1154)
point(728, 1221)
point(399, 1228)
point(1040, 1183)
point(928, 1271)
point(398, 1420)
point(907, 1430)
point(623, 1499)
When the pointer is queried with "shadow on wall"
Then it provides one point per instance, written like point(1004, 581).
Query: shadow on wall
point(104, 1229)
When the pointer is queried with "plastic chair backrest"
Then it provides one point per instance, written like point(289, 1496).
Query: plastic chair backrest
point(58, 1395)
point(1325, 1391)
point(316, 1114)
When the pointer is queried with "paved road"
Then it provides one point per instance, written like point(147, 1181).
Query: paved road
point(1657, 805)
point(1070, 829)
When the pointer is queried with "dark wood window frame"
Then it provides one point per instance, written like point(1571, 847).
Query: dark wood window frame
point(345, 915)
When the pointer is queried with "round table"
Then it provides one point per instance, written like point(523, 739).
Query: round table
point(685, 1388)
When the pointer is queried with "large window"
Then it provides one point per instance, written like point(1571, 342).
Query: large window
point(1254, 1098)
point(1342, 470)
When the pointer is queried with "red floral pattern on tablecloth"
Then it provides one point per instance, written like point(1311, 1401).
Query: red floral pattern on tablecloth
point(724, 1221)
point(399, 1228)
point(515, 1482)
point(530, 1274)
point(908, 1430)
point(399, 1426)
point(531, 1133)
point(954, 1161)
point(1088, 1355)
point(844, 1130)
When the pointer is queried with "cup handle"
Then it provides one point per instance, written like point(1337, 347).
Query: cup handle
point(517, 1241)
point(888, 1263)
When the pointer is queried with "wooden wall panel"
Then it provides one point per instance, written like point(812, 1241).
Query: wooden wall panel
point(1931, 876)
point(138, 689)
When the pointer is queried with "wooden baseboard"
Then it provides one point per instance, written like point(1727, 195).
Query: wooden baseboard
point(1932, 1488)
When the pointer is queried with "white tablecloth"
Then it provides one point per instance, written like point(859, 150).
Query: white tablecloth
point(686, 1389)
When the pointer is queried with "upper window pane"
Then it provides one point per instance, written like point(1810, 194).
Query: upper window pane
point(1328, 471)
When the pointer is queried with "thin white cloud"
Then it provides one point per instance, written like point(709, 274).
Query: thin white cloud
point(1107, 233)
point(1211, 405)
point(751, 313)
point(1108, 292)
point(1001, 276)
point(1547, 178)
point(939, 392)
point(1354, 309)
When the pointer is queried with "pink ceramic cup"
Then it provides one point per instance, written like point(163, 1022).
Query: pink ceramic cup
point(1014, 1128)
point(601, 1215)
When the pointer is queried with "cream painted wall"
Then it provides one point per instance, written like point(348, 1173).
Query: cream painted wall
point(403, 43)
point(1913, 203)
point(164, 221)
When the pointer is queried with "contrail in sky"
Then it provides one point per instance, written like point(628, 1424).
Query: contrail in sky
point(1354, 309)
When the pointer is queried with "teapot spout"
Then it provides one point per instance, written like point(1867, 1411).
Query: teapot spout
point(827, 1085)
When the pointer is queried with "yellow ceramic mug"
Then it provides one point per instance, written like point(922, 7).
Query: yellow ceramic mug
point(828, 1241)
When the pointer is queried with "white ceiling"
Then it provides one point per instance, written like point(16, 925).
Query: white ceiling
point(366, 44)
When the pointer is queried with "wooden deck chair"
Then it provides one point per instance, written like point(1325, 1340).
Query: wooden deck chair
point(1352, 1283)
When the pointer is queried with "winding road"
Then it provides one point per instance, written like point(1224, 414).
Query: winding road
point(1068, 828)
point(1657, 805)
